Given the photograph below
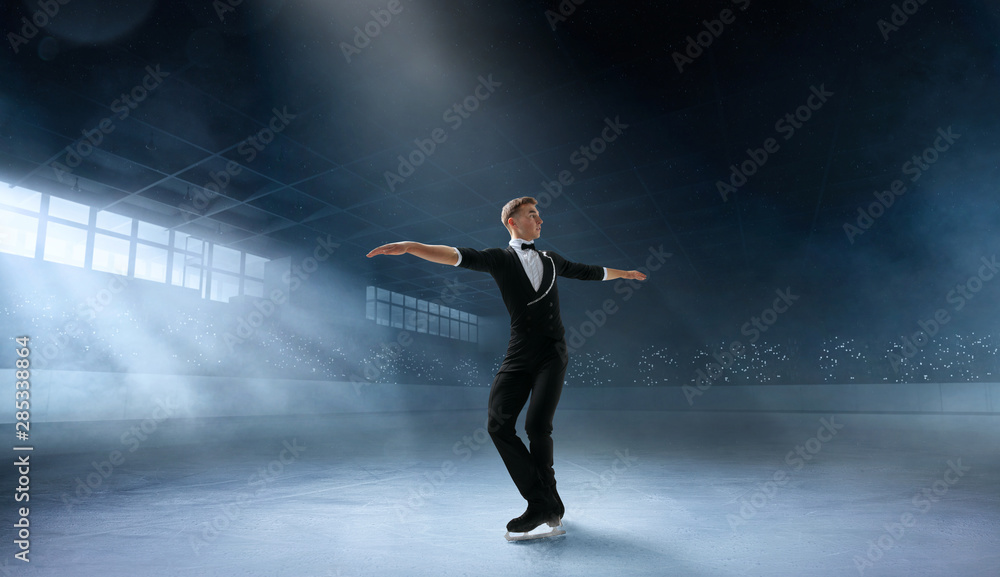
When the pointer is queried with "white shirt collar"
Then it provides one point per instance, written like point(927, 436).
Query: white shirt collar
point(516, 242)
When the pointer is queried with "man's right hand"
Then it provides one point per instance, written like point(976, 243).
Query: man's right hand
point(393, 248)
point(438, 253)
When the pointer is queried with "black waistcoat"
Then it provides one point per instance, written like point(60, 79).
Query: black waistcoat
point(534, 314)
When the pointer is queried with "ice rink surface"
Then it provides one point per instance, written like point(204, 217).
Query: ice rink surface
point(425, 494)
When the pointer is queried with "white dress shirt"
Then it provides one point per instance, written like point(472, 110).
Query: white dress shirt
point(530, 260)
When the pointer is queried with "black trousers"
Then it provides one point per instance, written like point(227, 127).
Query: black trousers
point(540, 377)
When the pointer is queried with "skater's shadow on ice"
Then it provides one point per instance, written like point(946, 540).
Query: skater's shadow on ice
point(599, 545)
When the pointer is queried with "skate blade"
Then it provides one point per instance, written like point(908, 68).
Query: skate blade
point(537, 533)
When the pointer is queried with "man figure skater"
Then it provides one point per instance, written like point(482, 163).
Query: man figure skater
point(536, 357)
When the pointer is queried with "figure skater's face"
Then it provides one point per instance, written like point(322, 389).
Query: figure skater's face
point(526, 223)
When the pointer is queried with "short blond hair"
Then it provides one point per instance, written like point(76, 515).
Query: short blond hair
point(511, 207)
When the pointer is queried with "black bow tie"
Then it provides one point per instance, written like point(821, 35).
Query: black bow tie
point(528, 246)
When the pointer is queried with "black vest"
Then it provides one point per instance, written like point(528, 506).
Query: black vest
point(534, 315)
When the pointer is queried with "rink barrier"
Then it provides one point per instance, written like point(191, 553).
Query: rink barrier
point(65, 396)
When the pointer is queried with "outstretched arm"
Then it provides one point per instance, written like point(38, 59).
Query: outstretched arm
point(591, 272)
point(438, 253)
point(614, 273)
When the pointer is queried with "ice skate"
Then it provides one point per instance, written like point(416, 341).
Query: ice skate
point(538, 533)
point(535, 523)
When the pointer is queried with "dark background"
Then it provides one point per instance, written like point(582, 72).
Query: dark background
point(560, 80)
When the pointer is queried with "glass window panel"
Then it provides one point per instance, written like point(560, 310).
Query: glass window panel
point(432, 324)
point(253, 288)
point(225, 259)
point(151, 263)
point(421, 322)
point(111, 254)
point(370, 310)
point(473, 333)
point(383, 295)
point(20, 197)
point(177, 274)
point(255, 266)
point(445, 312)
point(383, 313)
point(397, 299)
point(195, 245)
point(193, 276)
point(370, 293)
point(465, 331)
point(188, 259)
point(114, 222)
point(422, 305)
point(153, 233)
point(397, 317)
point(224, 287)
point(18, 234)
point(456, 314)
point(410, 316)
point(455, 330)
point(69, 210)
point(186, 242)
point(433, 308)
point(65, 244)
point(411, 302)
point(180, 240)
point(464, 317)
point(445, 326)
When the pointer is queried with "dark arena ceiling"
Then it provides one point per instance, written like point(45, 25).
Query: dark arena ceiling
point(841, 146)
